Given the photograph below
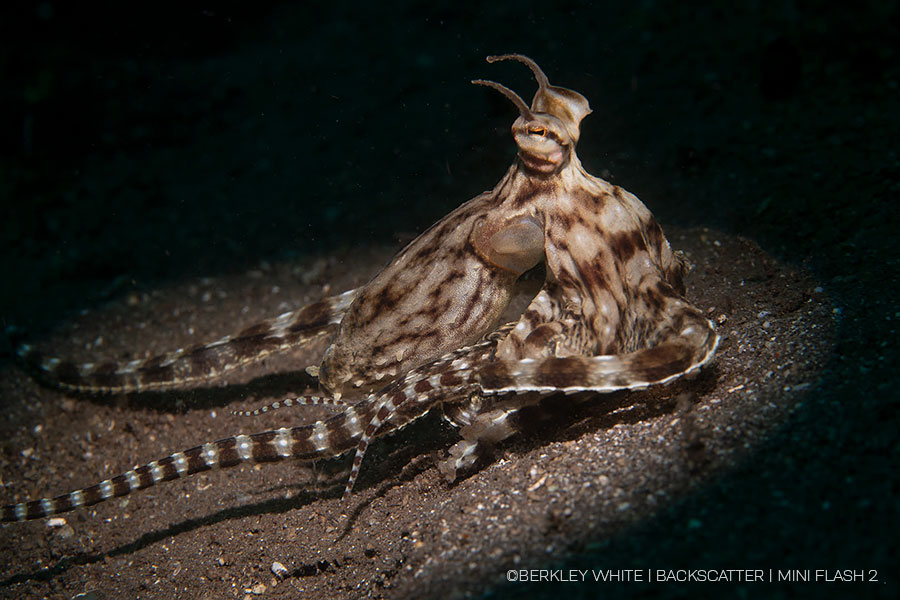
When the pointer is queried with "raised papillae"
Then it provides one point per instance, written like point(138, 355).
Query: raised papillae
point(424, 332)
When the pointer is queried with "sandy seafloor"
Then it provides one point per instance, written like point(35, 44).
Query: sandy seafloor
point(171, 175)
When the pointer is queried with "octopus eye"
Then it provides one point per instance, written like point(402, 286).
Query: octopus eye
point(541, 131)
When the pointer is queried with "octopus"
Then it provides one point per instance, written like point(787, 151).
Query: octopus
point(425, 334)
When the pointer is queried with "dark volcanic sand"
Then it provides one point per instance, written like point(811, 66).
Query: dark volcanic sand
point(575, 477)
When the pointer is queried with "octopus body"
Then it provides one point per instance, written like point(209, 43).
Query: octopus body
point(424, 332)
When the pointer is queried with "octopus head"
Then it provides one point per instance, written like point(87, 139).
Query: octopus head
point(547, 131)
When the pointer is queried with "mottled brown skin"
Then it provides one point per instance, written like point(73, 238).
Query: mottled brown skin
point(422, 334)
point(442, 292)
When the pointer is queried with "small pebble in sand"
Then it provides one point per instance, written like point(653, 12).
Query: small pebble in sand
point(279, 569)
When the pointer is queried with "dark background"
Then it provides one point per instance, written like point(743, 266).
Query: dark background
point(141, 146)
